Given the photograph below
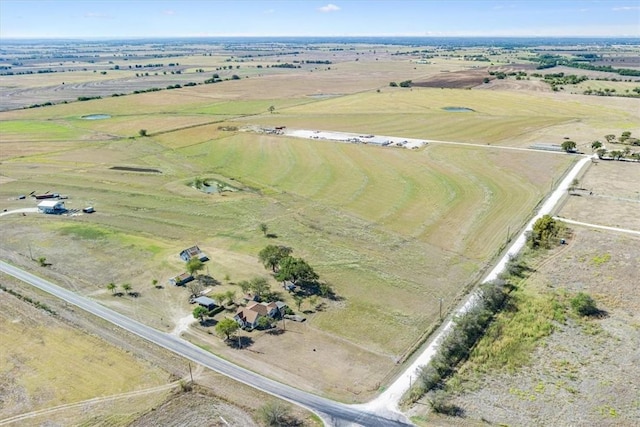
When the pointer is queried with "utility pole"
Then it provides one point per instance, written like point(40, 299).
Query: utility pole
point(190, 373)
point(440, 299)
point(30, 254)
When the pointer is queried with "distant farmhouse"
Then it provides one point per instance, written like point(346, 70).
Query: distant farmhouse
point(247, 317)
point(51, 207)
point(193, 252)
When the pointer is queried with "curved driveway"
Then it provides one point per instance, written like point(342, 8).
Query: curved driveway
point(333, 413)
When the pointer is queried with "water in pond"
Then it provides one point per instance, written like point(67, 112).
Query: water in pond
point(457, 109)
point(96, 117)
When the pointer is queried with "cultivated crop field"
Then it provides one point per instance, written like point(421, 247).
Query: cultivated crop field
point(393, 231)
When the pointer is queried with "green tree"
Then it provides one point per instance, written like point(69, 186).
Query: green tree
point(601, 152)
point(271, 255)
point(112, 287)
point(584, 305)
point(264, 228)
point(274, 414)
point(127, 288)
point(596, 145)
point(265, 322)
point(199, 312)
point(545, 233)
point(42, 261)
point(229, 296)
point(569, 146)
point(154, 283)
point(142, 132)
point(610, 137)
point(271, 109)
point(227, 327)
point(616, 154)
point(194, 265)
point(624, 136)
point(245, 286)
point(259, 286)
point(294, 270)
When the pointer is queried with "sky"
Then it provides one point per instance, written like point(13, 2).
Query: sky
point(119, 19)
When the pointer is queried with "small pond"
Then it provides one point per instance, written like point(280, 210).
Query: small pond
point(458, 109)
point(96, 117)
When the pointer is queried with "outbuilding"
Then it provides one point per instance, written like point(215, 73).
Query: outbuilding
point(206, 302)
point(51, 207)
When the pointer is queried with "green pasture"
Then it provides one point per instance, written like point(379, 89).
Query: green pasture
point(38, 130)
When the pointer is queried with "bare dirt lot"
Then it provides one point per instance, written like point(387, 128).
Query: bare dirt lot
point(609, 195)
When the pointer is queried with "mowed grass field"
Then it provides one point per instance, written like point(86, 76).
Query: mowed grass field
point(392, 230)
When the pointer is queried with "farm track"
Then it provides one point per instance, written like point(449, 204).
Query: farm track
point(85, 403)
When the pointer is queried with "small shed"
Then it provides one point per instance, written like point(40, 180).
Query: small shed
point(181, 279)
point(206, 302)
point(51, 207)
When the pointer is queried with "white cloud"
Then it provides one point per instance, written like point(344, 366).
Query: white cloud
point(623, 8)
point(269, 11)
point(169, 12)
point(329, 8)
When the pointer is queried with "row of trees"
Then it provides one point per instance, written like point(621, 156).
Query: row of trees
point(126, 287)
point(619, 154)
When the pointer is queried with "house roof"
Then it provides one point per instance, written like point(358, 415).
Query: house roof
point(205, 301)
point(261, 308)
point(248, 316)
point(192, 251)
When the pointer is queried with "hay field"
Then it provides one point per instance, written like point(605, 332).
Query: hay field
point(506, 118)
point(40, 368)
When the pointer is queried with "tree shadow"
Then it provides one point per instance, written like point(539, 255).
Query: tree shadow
point(159, 287)
point(240, 343)
point(134, 294)
point(118, 294)
point(271, 236)
point(207, 280)
point(276, 331)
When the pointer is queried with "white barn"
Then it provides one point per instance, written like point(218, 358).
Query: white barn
point(51, 206)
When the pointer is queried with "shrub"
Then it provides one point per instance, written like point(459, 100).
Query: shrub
point(584, 305)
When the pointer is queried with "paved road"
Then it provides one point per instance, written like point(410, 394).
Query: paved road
point(333, 413)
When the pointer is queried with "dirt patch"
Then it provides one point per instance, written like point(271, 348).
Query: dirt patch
point(610, 187)
point(194, 408)
point(455, 80)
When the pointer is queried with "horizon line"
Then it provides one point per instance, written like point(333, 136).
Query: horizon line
point(427, 36)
